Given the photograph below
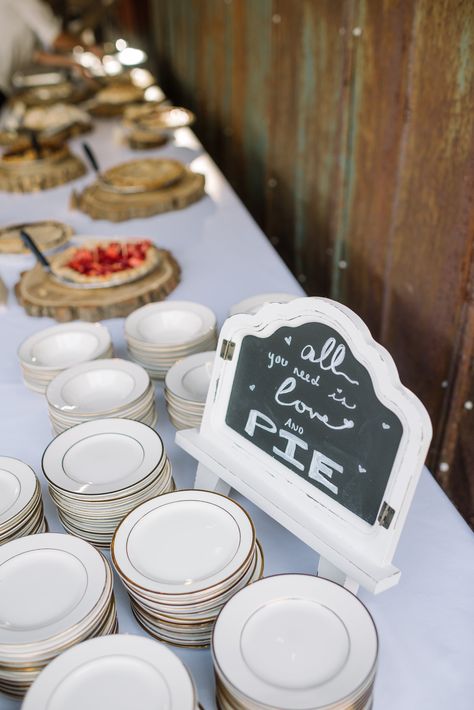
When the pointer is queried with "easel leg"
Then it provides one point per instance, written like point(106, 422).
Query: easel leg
point(208, 481)
point(329, 571)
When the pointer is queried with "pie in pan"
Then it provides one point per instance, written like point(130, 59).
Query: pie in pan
point(23, 155)
point(117, 95)
point(47, 235)
point(145, 173)
point(106, 262)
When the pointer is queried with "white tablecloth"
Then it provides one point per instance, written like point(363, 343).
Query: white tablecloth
point(426, 624)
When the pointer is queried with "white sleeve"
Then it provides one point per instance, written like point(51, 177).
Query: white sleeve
point(40, 18)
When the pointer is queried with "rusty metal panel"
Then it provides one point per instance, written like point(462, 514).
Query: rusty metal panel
point(307, 86)
point(347, 129)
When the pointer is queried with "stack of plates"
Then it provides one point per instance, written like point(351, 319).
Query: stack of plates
point(56, 591)
point(159, 334)
point(100, 470)
point(181, 557)
point(253, 304)
point(186, 386)
point(114, 673)
point(294, 641)
point(21, 506)
point(49, 352)
point(103, 388)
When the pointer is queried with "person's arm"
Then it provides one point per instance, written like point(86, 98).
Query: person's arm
point(46, 26)
point(40, 19)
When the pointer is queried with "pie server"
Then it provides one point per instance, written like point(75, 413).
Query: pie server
point(103, 182)
point(29, 242)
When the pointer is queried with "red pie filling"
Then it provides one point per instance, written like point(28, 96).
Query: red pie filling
point(104, 260)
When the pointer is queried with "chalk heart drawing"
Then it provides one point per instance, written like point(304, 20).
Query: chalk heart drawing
point(362, 470)
point(288, 340)
point(385, 426)
point(251, 388)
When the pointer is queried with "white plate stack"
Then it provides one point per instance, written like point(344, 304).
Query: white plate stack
point(181, 557)
point(103, 388)
point(253, 304)
point(186, 386)
point(114, 673)
point(100, 470)
point(160, 334)
point(294, 641)
point(56, 591)
point(21, 505)
point(47, 353)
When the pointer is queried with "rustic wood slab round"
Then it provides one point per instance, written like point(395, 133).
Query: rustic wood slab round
point(47, 234)
point(44, 175)
point(145, 140)
point(101, 203)
point(41, 295)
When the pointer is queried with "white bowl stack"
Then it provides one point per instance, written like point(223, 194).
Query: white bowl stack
point(21, 505)
point(294, 641)
point(253, 304)
point(103, 388)
point(181, 557)
point(100, 470)
point(114, 673)
point(186, 387)
point(160, 334)
point(47, 353)
point(57, 590)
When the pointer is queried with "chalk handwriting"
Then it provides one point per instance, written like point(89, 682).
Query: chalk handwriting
point(321, 469)
point(306, 377)
point(276, 360)
point(293, 426)
point(335, 358)
point(288, 386)
point(341, 400)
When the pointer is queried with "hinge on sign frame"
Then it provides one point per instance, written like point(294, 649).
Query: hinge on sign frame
point(227, 349)
point(386, 515)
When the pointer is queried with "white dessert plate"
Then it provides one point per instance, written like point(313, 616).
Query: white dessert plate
point(254, 303)
point(189, 378)
point(17, 486)
point(183, 542)
point(102, 456)
point(98, 386)
point(65, 345)
point(114, 673)
point(169, 324)
point(50, 582)
point(295, 642)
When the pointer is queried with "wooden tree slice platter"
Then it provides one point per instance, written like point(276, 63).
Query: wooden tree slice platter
point(45, 175)
point(101, 203)
point(41, 295)
point(145, 140)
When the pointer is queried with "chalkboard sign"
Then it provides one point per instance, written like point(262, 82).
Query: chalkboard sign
point(301, 396)
point(306, 417)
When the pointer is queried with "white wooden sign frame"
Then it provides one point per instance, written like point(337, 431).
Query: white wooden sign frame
point(352, 551)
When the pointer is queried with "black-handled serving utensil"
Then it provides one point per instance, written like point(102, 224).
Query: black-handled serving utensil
point(29, 242)
point(36, 144)
point(91, 157)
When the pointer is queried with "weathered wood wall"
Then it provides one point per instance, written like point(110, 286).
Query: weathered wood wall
point(346, 126)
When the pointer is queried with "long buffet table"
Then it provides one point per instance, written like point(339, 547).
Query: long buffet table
point(426, 623)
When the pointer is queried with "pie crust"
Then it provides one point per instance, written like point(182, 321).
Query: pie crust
point(117, 95)
point(47, 235)
point(59, 265)
point(145, 173)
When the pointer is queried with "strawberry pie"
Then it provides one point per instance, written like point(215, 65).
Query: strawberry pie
point(114, 262)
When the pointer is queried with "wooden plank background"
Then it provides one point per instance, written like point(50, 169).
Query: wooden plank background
point(346, 127)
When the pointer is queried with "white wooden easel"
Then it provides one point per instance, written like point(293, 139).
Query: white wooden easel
point(351, 552)
point(209, 481)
